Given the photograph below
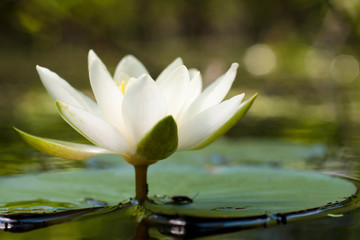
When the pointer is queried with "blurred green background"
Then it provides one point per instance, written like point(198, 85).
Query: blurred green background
point(301, 56)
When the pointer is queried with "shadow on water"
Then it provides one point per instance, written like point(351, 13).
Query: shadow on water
point(144, 221)
point(23, 222)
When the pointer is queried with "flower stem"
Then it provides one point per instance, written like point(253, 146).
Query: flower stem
point(141, 186)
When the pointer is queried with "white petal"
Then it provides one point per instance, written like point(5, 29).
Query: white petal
point(92, 56)
point(206, 123)
point(121, 77)
point(130, 66)
point(193, 72)
point(61, 90)
point(213, 94)
point(143, 106)
point(107, 94)
point(95, 129)
point(169, 69)
point(194, 89)
point(175, 89)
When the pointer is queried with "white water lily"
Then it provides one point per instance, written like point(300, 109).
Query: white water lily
point(138, 118)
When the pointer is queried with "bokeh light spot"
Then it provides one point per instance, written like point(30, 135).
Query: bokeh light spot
point(260, 59)
point(344, 68)
point(317, 63)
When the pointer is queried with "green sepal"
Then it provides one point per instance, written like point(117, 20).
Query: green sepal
point(64, 149)
point(229, 124)
point(160, 142)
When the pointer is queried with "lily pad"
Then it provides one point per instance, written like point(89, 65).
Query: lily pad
point(249, 191)
point(215, 191)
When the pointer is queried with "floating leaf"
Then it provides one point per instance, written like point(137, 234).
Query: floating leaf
point(247, 191)
point(216, 191)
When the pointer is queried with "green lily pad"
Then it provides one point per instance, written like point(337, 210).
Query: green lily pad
point(249, 191)
point(216, 191)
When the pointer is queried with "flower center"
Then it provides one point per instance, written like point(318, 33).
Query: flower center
point(122, 86)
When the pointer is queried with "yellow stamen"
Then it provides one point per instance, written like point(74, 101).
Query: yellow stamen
point(122, 86)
